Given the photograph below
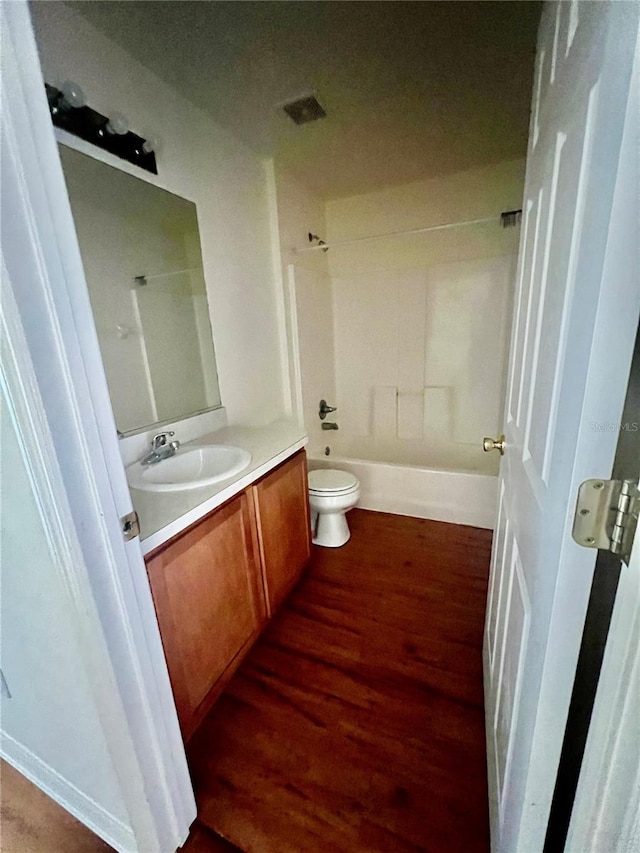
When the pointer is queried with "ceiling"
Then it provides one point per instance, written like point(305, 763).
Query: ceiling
point(411, 89)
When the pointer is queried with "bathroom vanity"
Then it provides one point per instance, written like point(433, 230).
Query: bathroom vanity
point(222, 512)
point(216, 584)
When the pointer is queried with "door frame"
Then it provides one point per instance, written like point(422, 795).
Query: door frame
point(61, 346)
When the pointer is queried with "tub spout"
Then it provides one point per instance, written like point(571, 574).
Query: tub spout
point(329, 425)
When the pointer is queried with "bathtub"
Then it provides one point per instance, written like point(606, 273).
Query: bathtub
point(419, 484)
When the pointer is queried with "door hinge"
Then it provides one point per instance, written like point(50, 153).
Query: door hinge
point(607, 516)
point(130, 525)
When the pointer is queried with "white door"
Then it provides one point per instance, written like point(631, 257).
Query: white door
point(575, 317)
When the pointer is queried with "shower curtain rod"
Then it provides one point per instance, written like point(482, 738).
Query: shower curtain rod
point(444, 227)
point(143, 279)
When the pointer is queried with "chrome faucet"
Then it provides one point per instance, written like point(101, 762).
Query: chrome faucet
point(328, 425)
point(161, 448)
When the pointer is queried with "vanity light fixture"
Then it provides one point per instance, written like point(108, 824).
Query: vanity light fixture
point(69, 111)
point(118, 124)
point(72, 96)
point(150, 144)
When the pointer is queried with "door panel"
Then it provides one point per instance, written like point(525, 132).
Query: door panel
point(515, 637)
point(580, 92)
point(493, 602)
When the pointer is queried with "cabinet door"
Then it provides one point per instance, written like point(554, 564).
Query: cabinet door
point(282, 510)
point(209, 600)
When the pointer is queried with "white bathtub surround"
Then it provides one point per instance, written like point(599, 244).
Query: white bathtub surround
point(421, 322)
point(410, 415)
point(442, 373)
point(441, 495)
point(438, 409)
point(385, 414)
point(164, 514)
point(431, 452)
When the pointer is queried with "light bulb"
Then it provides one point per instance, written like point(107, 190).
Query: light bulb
point(150, 144)
point(73, 94)
point(118, 124)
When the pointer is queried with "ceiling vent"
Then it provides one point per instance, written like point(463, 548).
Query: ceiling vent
point(304, 110)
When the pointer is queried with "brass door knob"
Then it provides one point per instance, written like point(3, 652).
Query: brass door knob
point(493, 444)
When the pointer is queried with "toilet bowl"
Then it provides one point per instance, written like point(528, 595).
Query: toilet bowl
point(331, 494)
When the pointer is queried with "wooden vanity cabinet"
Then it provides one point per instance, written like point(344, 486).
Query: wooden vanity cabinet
point(214, 585)
point(284, 532)
point(209, 600)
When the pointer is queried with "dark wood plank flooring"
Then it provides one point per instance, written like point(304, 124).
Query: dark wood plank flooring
point(33, 823)
point(201, 840)
point(356, 723)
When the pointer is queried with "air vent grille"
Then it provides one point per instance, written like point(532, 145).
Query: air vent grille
point(304, 110)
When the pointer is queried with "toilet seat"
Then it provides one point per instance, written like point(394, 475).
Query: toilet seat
point(330, 481)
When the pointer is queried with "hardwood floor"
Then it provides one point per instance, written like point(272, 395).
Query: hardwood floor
point(202, 841)
point(33, 823)
point(356, 723)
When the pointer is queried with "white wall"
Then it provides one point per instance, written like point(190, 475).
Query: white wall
point(204, 163)
point(421, 322)
point(51, 704)
point(309, 302)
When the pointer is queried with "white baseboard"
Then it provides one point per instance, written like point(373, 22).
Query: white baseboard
point(63, 792)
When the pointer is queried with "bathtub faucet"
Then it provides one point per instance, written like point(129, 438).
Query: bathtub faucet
point(324, 409)
point(329, 425)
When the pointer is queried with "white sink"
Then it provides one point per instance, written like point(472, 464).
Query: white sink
point(191, 467)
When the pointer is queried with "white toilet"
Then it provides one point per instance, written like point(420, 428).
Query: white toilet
point(332, 493)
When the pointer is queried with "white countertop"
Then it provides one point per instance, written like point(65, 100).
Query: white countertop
point(162, 515)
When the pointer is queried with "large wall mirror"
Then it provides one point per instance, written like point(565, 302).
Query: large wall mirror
point(140, 248)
